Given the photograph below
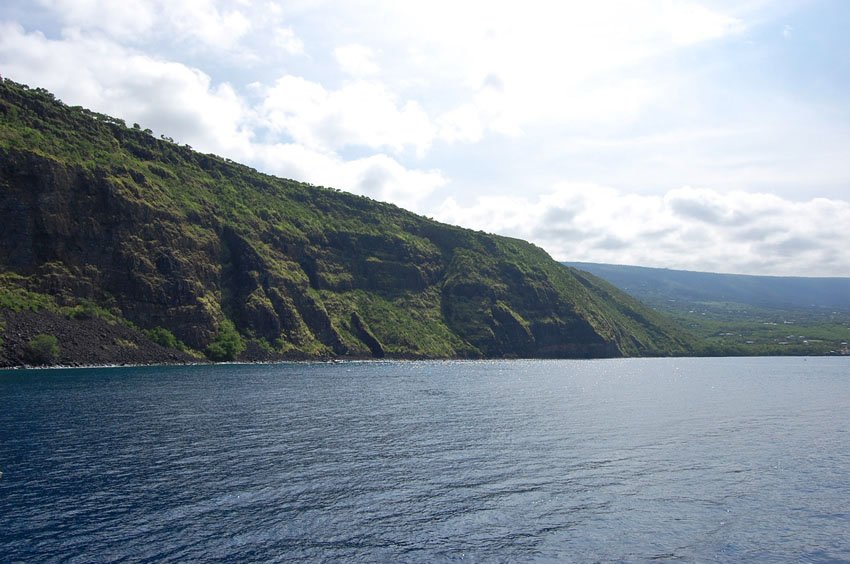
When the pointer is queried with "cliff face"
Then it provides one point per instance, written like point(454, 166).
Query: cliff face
point(165, 237)
point(78, 234)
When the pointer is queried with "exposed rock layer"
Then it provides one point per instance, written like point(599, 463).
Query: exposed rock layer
point(166, 237)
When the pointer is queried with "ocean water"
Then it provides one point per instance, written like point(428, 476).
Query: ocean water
point(610, 460)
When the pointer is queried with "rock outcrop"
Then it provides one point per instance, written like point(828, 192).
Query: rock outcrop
point(164, 237)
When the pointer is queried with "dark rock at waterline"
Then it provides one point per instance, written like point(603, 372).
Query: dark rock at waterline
point(81, 341)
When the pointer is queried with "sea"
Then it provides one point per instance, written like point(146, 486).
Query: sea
point(626, 460)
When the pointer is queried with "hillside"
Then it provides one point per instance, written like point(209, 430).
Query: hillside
point(201, 254)
point(740, 313)
point(658, 286)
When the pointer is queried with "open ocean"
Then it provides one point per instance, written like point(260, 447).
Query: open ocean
point(608, 460)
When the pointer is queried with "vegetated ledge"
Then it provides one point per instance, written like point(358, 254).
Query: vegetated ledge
point(204, 256)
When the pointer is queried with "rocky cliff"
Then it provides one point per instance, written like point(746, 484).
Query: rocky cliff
point(235, 263)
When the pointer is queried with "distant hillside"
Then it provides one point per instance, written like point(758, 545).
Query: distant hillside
point(805, 315)
point(658, 286)
point(198, 253)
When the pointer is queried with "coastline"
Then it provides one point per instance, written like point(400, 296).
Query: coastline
point(387, 360)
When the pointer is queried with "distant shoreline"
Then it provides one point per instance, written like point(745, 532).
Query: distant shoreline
point(366, 360)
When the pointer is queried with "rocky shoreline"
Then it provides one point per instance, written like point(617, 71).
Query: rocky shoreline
point(81, 342)
point(95, 342)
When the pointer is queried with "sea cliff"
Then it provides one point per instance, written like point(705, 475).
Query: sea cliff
point(104, 224)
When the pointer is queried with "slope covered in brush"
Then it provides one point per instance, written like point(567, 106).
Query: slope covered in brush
point(236, 263)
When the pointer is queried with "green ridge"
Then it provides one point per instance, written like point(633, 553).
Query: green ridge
point(237, 263)
point(736, 314)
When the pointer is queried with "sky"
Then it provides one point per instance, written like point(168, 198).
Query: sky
point(684, 134)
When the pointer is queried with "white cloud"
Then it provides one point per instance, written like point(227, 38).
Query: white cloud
point(168, 97)
point(213, 24)
point(202, 20)
point(498, 68)
point(127, 19)
point(689, 23)
point(360, 113)
point(696, 229)
point(356, 60)
point(485, 113)
point(286, 39)
point(556, 63)
point(378, 176)
point(463, 124)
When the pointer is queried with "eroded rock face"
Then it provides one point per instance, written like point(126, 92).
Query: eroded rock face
point(83, 235)
point(165, 237)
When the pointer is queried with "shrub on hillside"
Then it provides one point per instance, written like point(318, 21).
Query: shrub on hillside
point(42, 349)
point(227, 344)
point(164, 337)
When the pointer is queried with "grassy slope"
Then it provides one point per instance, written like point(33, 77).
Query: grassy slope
point(739, 314)
point(420, 288)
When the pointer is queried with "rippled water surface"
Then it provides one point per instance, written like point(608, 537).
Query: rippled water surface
point(692, 459)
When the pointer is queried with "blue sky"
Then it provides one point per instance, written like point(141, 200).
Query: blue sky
point(674, 133)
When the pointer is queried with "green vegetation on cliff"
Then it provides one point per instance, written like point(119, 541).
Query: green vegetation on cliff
point(735, 314)
point(240, 264)
point(43, 349)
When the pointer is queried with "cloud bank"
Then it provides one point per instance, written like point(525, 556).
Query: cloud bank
point(574, 125)
point(686, 228)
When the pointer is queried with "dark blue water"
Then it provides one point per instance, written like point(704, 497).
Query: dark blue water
point(688, 459)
